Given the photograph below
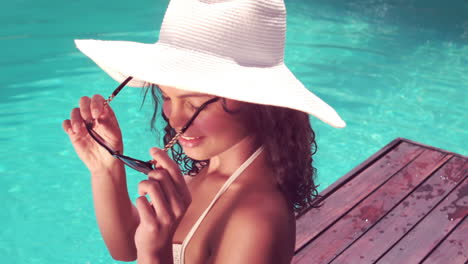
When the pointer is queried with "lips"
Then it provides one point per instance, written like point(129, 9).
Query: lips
point(190, 142)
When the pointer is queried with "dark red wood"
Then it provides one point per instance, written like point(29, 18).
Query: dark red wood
point(431, 147)
point(370, 210)
point(351, 174)
point(358, 169)
point(406, 225)
point(396, 224)
point(454, 249)
point(431, 230)
point(341, 199)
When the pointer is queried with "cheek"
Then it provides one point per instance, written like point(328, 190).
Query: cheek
point(220, 125)
point(208, 125)
point(166, 107)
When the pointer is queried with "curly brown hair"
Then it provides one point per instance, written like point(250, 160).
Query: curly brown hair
point(288, 140)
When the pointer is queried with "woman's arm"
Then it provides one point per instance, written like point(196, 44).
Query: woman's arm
point(116, 215)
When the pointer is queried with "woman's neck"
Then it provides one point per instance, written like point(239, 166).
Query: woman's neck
point(222, 166)
point(225, 163)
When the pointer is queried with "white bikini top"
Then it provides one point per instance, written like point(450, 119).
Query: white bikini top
point(178, 250)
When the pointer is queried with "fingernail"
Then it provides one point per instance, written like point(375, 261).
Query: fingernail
point(154, 150)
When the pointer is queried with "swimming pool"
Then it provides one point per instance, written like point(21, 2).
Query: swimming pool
point(390, 68)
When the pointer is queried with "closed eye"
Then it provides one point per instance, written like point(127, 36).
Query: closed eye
point(192, 107)
point(188, 104)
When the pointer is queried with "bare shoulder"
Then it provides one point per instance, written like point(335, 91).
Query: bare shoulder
point(266, 216)
point(262, 206)
point(261, 229)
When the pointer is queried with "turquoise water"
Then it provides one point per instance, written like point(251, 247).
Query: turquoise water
point(390, 68)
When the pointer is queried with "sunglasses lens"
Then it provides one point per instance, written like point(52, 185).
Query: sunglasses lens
point(138, 165)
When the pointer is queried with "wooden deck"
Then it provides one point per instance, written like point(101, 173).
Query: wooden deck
point(407, 203)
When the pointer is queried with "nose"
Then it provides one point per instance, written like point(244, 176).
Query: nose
point(177, 115)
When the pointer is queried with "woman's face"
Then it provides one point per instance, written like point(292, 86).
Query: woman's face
point(213, 131)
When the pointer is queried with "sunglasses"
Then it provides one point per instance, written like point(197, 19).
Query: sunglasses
point(136, 164)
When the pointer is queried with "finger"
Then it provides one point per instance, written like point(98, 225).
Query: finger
point(77, 123)
point(66, 125)
point(165, 162)
point(153, 189)
point(145, 210)
point(85, 110)
point(158, 199)
point(172, 195)
point(97, 106)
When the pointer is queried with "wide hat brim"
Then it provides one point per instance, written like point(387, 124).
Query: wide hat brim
point(201, 72)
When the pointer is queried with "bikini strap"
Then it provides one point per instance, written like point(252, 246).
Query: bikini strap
point(220, 192)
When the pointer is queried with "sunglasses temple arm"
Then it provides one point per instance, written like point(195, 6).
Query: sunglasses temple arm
point(117, 90)
point(197, 113)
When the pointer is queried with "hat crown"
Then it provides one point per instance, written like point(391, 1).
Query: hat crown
point(248, 32)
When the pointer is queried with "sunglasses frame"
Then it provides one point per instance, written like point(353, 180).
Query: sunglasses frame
point(136, 164)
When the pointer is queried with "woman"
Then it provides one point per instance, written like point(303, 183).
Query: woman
point(240, 118)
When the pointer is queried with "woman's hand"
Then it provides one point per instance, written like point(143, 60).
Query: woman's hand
point(90, 152)
point(170, 198)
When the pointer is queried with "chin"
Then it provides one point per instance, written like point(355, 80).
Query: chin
point(197, 154)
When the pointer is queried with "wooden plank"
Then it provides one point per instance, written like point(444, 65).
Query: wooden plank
point(432, 147)
point(358, 169)
point(370, 210)
point(454, 249)
point(344, 198)
point(352, 173)
point(317, 219)
point(430, 231)
point(396, 224)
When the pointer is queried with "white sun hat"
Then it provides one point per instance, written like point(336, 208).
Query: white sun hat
point(228, 48)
